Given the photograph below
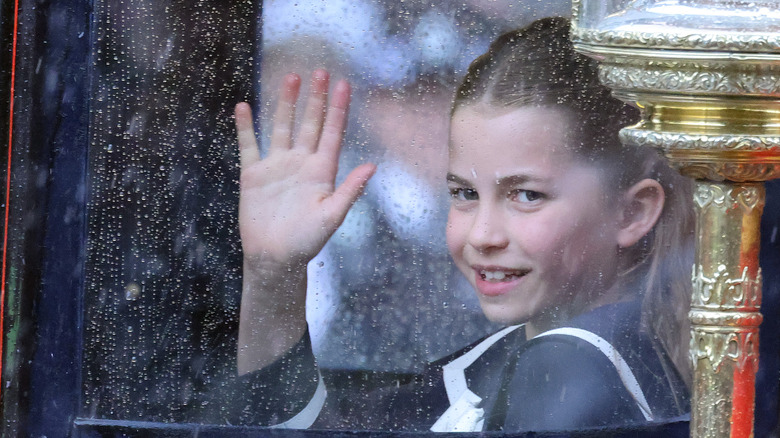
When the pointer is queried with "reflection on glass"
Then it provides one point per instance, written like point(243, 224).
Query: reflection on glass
point(680, 20)
point(163, 261)
point(384, 286)
point(577, 246)
point(385, 296)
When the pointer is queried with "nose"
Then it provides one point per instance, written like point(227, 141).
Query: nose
point(488, 230)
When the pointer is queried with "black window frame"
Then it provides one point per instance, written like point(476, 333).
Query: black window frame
point(46, 170)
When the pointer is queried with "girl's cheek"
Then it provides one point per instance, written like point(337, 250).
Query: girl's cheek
point(456, 227)
point(583, 249)
point(449, 234)
point(543, 232)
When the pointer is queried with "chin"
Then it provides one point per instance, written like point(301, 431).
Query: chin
point(502, 316)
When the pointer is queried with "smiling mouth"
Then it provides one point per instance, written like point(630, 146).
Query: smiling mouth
point(500, 276)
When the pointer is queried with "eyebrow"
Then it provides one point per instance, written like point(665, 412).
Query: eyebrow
point(457, 180)
point(511, 180)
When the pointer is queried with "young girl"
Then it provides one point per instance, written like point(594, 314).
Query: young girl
point(579, 245)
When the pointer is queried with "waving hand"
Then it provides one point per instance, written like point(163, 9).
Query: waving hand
point(289, 207)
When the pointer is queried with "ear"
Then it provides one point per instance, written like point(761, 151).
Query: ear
point(641, 208)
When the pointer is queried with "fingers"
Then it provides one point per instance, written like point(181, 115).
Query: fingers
point(320, 129)
point(284, 118)
point(314, 114)
point(247, 143)
point(335, 120)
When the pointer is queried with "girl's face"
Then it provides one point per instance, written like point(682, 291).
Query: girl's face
point(529, 225)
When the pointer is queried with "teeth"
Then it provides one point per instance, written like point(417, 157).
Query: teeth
point(497, 275)
point(501, 275)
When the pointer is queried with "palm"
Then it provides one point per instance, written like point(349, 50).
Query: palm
point(284, 209)
point(289, 206)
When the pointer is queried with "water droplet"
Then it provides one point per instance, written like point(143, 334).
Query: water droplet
point(132, 291)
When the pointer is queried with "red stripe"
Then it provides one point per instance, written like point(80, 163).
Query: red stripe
point(3, 285)
point(743, 400)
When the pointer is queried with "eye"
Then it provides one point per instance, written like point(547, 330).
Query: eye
point(526, 195)
point(463, 194)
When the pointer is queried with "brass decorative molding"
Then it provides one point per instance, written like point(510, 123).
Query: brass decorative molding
point(692, 77)
point(730, 320)
point(717, 196)
point(721, 290)
point(706, 76)
point(716, 157)
point(717, 347)
point(709, 41)
point(726, 171)
point(715, 142)
point(725, 306)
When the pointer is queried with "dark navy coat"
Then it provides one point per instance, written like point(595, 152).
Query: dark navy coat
point(554, 382)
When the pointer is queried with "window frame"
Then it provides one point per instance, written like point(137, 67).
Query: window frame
point(46, 158)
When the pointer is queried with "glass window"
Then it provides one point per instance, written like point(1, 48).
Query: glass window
point(385, 296)
point(163, 269)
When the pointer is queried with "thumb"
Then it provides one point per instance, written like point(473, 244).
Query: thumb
point(349, 191)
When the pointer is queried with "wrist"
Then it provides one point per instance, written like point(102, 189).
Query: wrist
point(270, 286)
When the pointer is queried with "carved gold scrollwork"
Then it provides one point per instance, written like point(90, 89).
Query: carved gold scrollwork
point(715, 41)
point(728, 171)
point(689, 81)
point(708, 95)
point(718, 346)
point(690, 78)
point(709, 194)
point(721, 290)
point(682, 141)
point(749, 350)
point(748, 197)
point(751, 158)
point(759, 83)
